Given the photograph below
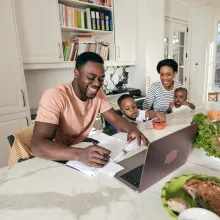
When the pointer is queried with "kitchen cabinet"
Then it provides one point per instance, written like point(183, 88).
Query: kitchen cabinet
point(41, 34)
point(8, 125)
point(125, 17)
point(39, 30)
point(14, 108)
point(13, 96)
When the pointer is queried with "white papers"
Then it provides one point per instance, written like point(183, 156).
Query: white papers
point(117, 147)
point(110, 169)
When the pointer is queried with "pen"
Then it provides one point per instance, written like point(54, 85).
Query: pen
point(94, 142)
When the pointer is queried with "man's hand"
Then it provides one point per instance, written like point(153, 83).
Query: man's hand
point(139, 136)
point(160, 116)
point(93, 155)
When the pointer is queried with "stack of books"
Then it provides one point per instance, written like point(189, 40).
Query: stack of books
point(84, 43)
point(107, 3)
point(87, 19)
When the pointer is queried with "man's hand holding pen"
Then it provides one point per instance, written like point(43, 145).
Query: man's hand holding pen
point(94, 155)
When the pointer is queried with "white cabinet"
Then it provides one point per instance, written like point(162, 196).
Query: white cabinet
point(125, 18)
point(8, 125)
point(39, 30)
point(13, 97)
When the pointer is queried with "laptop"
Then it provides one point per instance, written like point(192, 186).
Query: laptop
point(162, 157)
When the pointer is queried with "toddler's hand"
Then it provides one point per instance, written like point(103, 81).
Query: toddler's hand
point(171, 105)
point(160, 116)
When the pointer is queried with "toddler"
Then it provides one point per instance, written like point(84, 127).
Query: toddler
point(180, 104)
point(133, 114)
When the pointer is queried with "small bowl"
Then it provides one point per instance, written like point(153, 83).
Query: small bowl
point(197, 214)
point(158, 125)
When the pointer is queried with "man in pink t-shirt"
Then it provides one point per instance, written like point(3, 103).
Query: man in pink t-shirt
point(67, 113)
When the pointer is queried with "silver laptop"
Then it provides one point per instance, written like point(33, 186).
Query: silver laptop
point(162, 157)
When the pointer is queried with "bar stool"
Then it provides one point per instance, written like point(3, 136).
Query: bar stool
point(213, 96)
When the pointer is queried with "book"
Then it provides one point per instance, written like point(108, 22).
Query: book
point(88, 18)
point(93, 19)
point(102, 20)
point(98, 26)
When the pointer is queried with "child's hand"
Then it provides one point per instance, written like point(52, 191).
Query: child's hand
point(171, 105)
point(160, 116)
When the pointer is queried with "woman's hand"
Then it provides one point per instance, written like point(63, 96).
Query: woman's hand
point(139, 136)
point(160, 116)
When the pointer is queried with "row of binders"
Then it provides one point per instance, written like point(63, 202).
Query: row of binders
point(88, 19)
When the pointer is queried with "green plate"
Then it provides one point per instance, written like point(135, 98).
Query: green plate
point(174, 188)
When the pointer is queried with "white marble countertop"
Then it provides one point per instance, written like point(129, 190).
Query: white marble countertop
point(42, 189)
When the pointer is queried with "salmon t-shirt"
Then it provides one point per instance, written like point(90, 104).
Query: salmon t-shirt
point(73, 116)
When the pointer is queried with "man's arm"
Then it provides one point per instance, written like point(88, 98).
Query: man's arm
point(124, 125)
point(44, 146)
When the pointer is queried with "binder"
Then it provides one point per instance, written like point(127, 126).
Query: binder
point(79, 19)
point(93, 19)
point(98, 26)
point(102, 20)
point(106, 20)
point(88, 18)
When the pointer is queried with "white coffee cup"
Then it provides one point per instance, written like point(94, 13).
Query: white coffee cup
point(197, 214)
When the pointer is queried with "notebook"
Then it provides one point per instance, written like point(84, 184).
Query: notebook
point(117, 147)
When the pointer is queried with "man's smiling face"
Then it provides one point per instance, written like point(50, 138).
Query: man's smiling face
point(90, 78)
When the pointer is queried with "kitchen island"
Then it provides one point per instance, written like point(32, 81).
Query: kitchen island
point(42, 189)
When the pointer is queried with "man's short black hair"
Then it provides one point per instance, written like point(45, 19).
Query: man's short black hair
point(123, 97)
point(167, 62)
point(181, 89)
point(85, 57)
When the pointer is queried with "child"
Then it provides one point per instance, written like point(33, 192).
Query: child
point(180, 104)
point(133, 114)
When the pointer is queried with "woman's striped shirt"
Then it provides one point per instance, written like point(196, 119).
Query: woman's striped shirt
point(159, 98)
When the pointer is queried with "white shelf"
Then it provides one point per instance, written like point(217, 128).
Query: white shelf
point(78, 30)
point(70, 65)
point(84, 5)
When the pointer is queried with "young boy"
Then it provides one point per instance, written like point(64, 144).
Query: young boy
point(133, 114)
point(180, 104)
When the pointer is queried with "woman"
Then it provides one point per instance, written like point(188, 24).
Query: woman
point(160, 94)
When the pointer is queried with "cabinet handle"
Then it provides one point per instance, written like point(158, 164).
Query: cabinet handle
point(60, 50)
point(22, 92)
point(27, 121)
point(118, 51)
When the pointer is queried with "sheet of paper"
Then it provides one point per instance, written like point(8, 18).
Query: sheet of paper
point(110, 169)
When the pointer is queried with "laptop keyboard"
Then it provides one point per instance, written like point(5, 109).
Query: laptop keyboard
point(133, 176)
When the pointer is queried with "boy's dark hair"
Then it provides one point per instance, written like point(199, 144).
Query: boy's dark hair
point(167, 62)
point(85, 57)
point(181, 89)
point(123, 97)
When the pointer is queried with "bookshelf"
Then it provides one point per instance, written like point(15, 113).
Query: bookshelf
point(83, 30)
point(45, 49)
point(80, 18)
point(83, 5)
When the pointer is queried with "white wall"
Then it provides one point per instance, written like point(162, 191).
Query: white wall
point(201, 27)
point(176, 10)
point(38, 81)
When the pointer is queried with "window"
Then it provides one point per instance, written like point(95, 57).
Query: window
point(217, 67)
point(175, 34)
